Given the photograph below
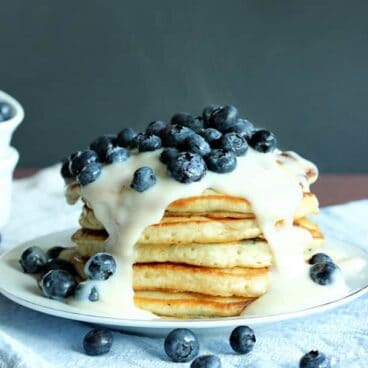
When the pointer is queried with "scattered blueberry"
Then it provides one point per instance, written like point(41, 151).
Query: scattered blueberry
point(5, 111)
point(188, 120)
point(125, 137)
point(197, 144)
point(314, 359)
point(100, 266)
point(263, 141)
point(58, 264)
point(224, 118)
point(81, 160)
point(168, 154)
point(54, 252)
point(206, 361)
point(117, 154)
point(143, 179)
point(221, 161)
point(242, 339)
point(175, 135)
point(57, 284)
point(156, 127)
point(181, 345)
point(323, 273)
point(149, 142)
point(187, 167)
point(319, 257)
point(98, 341)
point(89, 174)
point(211, 135)
point(208, 111)
point(234, 142)
point(65, 170)
point(243, 127)
point(102, 145)
point(33, 259)
point(86, 291)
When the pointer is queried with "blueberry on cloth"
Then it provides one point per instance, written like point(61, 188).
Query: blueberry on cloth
point(221, 161)
point(168, 154)
point(81, 160)
point(188, 120)
point(156, 127)
point(234, 142)
point(143, 179)
point(242, 339)
point(89, 174)
point(224, 118)
point(187, 167)
point(5, 111)
point(181, 345)
point(57, 284)
point(149, 142)
point(98, 341)
point(319, 257)
point(197, 144)
point(33, 259)
point(206, 361)
point(175, 135)
point(126, 137)
point(101, 266)
point(117, 154)
point(314, 359)
point(323, 273)
point(102, 145)
point(263, 141)
point(211, 135)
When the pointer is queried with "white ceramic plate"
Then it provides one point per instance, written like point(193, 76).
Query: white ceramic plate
point(23, 289)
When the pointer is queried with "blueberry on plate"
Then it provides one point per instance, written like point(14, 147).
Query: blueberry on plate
point(187, 167)
point(101, 266)
point(125, 137)
point(81, 160)
point(206, 361)
point(224, 118)
point(188, 120)
point(181, 345)
point(323, 273)
point(243, 127)
point(197, 144)
point(221, 161)
point(117, 154)
point(33, 259)
point(263, 141)
point(149, 142)
point(208, 111)
point(98, 341)
point(102, 145)
point(59, 264)
point(6, 111)
point(175, 135)
point(168, 154)
point(89, 174)
point(54, 252)
point(314, 359)
point(143, 179)
point(57, 284)
point(234, 142)
point(156, 127)
point(319, 257)
point(242, 339)
point(211, 135)
point(86, 291)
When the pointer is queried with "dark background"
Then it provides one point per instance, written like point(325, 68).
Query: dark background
point(84, 68)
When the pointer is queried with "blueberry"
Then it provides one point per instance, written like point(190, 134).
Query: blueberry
point(319, 257)
point(181, 345)
point(175, 135)
point(156, 127)
point(65, 170)
point(117, 154)
point(125, 137)
point(314, 359)
point(197, 144)
point(224, 118)
point(209, 111)
point(168, 154)
point(54, 252)
point(235, 143)
point(6, 111)
point(100, 266)
point(206, 361)
point(81, 160)
point(57, 284)
point(263, 141)
point(221, 161)
point(242, 339)
point(89, 174)
point(33, 260)
point(187, 167)
point(58, 264)
point(188, 120)
point(86, 291)
point(143, 179)
point(243, 127)
point(98, 341)
point(102, 145)
point(149, 142)
point(323, 273)
point(211, 135)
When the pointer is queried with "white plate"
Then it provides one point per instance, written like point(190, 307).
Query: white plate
point(23, 289)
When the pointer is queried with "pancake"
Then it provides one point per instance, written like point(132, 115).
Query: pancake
point(190, 305)
point(243, 282)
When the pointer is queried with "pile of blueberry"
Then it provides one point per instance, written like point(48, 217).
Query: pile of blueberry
point(58, 279)
point(323, 269)
point(6, 111)
point(181, 346)
point(192, 145)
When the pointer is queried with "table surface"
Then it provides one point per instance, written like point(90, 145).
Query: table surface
point(330, 188)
